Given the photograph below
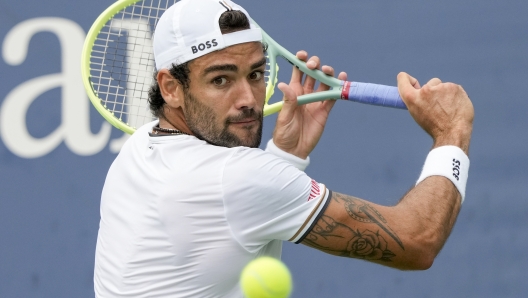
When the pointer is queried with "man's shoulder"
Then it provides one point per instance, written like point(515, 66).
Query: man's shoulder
point(254, 162)
point(252, 154)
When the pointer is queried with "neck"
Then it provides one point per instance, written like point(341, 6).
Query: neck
point(174, 119)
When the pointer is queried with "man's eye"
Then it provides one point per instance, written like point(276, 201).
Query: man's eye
point(220, 81)
point(257, 75)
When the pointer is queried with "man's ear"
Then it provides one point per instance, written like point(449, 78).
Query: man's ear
point(170, 88)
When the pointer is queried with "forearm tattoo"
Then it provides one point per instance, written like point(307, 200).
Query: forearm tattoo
point(337, 238)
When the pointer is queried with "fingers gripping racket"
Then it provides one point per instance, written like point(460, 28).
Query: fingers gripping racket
point(118, 66)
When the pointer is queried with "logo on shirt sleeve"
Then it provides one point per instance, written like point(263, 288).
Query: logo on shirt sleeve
point(315, 190)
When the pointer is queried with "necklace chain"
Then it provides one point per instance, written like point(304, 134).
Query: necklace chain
point(156, 129)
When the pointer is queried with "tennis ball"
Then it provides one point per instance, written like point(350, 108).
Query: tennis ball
point(266, 277)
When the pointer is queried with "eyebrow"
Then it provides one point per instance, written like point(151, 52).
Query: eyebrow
point(259, 63)
point(232, 67)
point(221, 67)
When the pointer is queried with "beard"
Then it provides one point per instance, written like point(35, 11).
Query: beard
point(203, 122)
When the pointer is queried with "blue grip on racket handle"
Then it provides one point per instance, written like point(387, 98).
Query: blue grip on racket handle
point(373, 94)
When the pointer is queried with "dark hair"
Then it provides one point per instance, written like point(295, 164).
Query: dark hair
point(230, 21)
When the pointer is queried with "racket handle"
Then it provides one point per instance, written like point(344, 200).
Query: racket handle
point(373, 94)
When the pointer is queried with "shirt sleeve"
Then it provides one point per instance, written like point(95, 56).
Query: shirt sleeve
point(267, 198)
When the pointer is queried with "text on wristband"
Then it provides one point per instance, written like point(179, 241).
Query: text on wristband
point(456, 169)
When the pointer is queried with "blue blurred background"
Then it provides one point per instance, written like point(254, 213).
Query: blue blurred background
point(50, 181)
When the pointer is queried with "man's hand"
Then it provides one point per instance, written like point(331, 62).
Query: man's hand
point(443, 110)
point(299, 128)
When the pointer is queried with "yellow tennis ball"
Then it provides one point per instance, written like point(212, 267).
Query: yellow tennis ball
point(266, 277)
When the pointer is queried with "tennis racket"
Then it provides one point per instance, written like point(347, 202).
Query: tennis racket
point(118, 67)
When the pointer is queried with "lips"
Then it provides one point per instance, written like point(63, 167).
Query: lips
point(246, 117)
point(244, 121)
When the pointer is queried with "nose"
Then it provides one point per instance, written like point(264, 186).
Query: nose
point(245, 98)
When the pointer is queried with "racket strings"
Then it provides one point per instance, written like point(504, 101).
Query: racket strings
point(122, 63)
point(270, 75)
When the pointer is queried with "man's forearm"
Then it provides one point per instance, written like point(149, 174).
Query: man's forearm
point(433, 205)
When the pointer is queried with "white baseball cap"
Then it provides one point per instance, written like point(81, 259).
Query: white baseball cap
point(189, 29)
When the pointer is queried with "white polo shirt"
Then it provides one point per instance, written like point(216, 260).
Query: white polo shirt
point(181, 217)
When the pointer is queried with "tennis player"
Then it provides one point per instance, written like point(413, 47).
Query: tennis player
point(190, 199)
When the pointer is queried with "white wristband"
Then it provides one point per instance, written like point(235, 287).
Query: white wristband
point(297, 162)
point(450, 162)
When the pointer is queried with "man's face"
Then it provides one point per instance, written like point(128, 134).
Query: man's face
point(224, 102)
